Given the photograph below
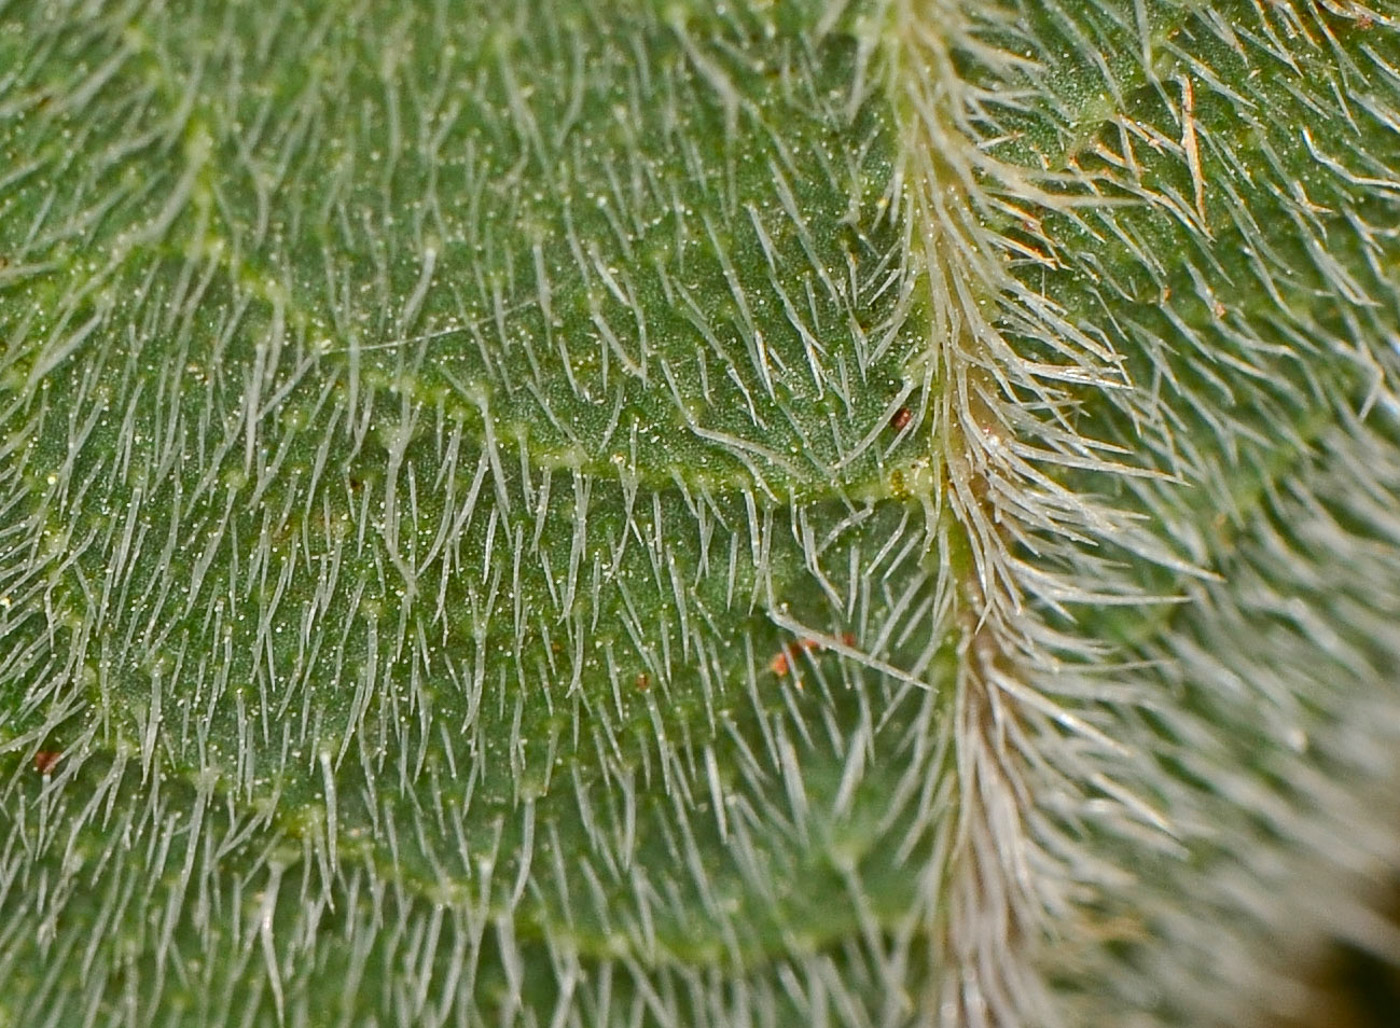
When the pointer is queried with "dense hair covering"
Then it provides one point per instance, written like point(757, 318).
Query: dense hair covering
point(861, 513)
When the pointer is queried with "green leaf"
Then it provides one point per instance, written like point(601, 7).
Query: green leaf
point(763, 513)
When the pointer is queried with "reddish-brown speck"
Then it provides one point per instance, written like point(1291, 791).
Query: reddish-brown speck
point(900, 419)
point(44, 760)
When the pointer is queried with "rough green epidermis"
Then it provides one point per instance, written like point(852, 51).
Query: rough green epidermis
point(1267, 347)
point(416, 422)
point(1250, 338)
point(413, 421)
point(590, 224)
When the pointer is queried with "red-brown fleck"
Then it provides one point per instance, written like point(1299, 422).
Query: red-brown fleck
point(781, 664)
point(900, 419)
point(44, 760)
point(643, 682)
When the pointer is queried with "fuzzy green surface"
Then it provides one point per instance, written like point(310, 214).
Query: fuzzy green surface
point(404, 412)
point(422, 427)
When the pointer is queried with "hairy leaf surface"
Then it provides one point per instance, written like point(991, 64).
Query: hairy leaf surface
point(633, 513)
